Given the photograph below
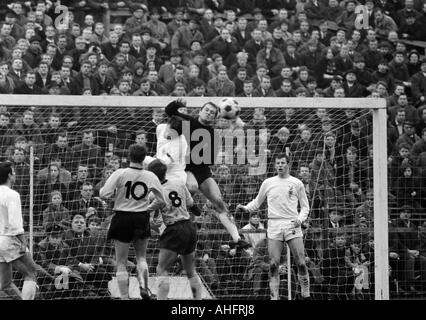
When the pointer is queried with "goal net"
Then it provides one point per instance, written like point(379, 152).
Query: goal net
point(63, 151)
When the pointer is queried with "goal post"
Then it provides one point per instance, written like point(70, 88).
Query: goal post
point(275, 107)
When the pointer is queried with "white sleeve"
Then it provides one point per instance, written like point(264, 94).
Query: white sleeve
point(257, 202)
point(15, 211)
point(304, 203)
point(147, 161)
point(108, 190)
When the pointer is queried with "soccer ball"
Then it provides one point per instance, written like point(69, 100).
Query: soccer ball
point(229, 108)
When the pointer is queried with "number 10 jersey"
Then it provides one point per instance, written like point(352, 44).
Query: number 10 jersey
point(130, 188)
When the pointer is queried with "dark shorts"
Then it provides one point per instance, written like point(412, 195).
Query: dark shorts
point(201, 173)
point(129, 226)
point(180, 237)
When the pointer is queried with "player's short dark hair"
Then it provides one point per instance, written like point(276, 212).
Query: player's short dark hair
point(158, 168)
point(282, 156)
point(5, 170)
point(137, 153)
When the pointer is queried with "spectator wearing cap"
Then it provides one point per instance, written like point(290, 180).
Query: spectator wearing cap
point(347, 19)
point(272, 57)
point(225, 46)
point(221, 86)
point(418, 84)
point(137, 21)
point(409, 136)
point(158, 29)
point(352, 87)
point(256, 226)
point(17, 30)
point(183, 36)
point(253, 46)
point(216, 28)
point(291, 57)
point(177, 21)
point(408, 28)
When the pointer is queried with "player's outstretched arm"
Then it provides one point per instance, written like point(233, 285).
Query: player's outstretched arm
point(257, 202)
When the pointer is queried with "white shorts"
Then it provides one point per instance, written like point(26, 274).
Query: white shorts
point(12, 248)
point(177, 175)
point(281, 230)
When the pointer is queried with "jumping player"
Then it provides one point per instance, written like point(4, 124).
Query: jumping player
point(283, 193)
point(180, 235)
point(199, 176)
point(13, 250)
point(131, 187)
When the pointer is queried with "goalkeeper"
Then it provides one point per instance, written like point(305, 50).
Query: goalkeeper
point(283, 193)
point(198, 171)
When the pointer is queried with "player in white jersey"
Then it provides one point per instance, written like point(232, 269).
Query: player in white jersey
point(180, 235)
point(130, 188)
point(172, 148)
point(283, 193)
point(13, 250)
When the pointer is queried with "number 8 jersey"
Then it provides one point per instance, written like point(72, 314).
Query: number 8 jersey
point(131, 187)
point(178, 200)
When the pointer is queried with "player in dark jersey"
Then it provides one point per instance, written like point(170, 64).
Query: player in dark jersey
point(130, 188)
point(199, 176)
point(180, 235)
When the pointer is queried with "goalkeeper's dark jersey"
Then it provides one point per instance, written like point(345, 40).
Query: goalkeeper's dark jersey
point(203, 143)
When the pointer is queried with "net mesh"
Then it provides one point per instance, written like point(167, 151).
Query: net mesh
point(75, 149)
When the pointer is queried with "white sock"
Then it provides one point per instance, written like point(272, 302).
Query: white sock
point(123, 284)
point(232, 228)
point(29, 290)
point(142, 268)
point(304, 284)
point(274, 286)
point(195, 283)
point(163, 288)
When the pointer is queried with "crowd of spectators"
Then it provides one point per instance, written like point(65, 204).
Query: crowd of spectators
point(277, 48)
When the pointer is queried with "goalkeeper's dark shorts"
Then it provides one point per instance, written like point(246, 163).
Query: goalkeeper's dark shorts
point(180, 237)
point(200, 172)
point(129, 226)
